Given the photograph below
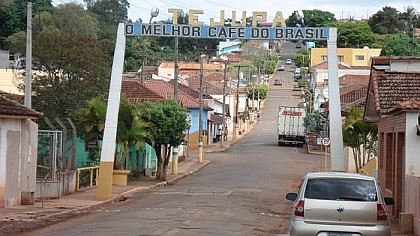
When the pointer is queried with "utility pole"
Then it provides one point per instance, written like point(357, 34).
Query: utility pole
point(225, 60)
point(176, 68)
point(236, 126)
point(142, 69)
point(28, 57)
point(200, 118)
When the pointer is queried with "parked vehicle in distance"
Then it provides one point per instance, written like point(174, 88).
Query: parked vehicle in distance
point(339, 204)
point(277, 82)
point(290, 125)
point(288, 61)
point(297, 73)
point(280, 67)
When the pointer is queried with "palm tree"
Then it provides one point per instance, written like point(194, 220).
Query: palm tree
point(361, 137)
point(92, 121)
point(132, 130)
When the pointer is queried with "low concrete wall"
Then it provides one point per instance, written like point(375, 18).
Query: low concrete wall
point(55, 189)
point(412, 200)
point(48, 189)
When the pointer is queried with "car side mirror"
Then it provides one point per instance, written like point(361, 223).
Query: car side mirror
point(291, 196)
point(389, 201)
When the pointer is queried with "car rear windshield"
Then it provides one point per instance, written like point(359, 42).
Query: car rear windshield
point(341, 189)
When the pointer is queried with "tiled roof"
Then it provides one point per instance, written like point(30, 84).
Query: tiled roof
point(324, 65)
point(187, 90)
point(350, 83)
point(391, 89)
point(191, 66)
point(208, 88)
point(12, 108)
point(235, 57)
point(136, 92)
point(166, 90)
point(409, 105)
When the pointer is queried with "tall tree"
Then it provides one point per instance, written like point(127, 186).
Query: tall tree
point(109, 11)
point(386, 21)
point(409, 16)
point(72, 69)
point(400, 45)
point(169, 123)
point(354, 34)
point(13, 16)
point(312, 18)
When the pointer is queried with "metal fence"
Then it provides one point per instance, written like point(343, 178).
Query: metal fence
point(50, 154)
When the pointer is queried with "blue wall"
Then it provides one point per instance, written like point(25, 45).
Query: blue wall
point(194, 117)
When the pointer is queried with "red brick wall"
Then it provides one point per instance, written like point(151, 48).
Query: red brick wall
point(391, 130)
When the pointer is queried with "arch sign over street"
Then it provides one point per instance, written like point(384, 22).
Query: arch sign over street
point(238, 29)
point(224, 32)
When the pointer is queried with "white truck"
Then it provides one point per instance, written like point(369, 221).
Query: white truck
point(290, 126)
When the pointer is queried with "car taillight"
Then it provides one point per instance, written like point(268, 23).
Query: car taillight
point(300, 208)
point(382, 212)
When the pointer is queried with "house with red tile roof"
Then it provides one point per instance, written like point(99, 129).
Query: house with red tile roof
point(19, 136)
point(320, 72)
point(160, 90)
point(166, 69)
point(393, 101)
point(353, 84)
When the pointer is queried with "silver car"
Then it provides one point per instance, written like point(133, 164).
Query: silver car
point(339, 204)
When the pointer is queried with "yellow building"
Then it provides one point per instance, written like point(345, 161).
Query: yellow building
point(350, 57)
point(9, 81)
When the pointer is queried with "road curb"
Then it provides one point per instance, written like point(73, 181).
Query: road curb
point(43, 219)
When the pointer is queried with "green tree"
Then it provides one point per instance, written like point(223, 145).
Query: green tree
point(386, 21)
point(362, 138)
point(254, 51)
point(72, 17)
point(131, 131)
point(354, 34)
point(91, 125)
point(400, 45)
point(72, 69)
point(109, 11)
point(302, 60)
point(312, 18)
point(91, 120)
point(257, 91)
point(13, 16)
point(169, 122)
point(315, 122)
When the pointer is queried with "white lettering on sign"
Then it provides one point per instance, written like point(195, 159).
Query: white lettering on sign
point(224, 32)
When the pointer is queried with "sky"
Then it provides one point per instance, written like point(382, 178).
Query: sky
point(342, 9)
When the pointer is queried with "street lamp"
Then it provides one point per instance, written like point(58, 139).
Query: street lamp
point(153, 13)
point(300, 17)
point(200, 117)
point(225, 60)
